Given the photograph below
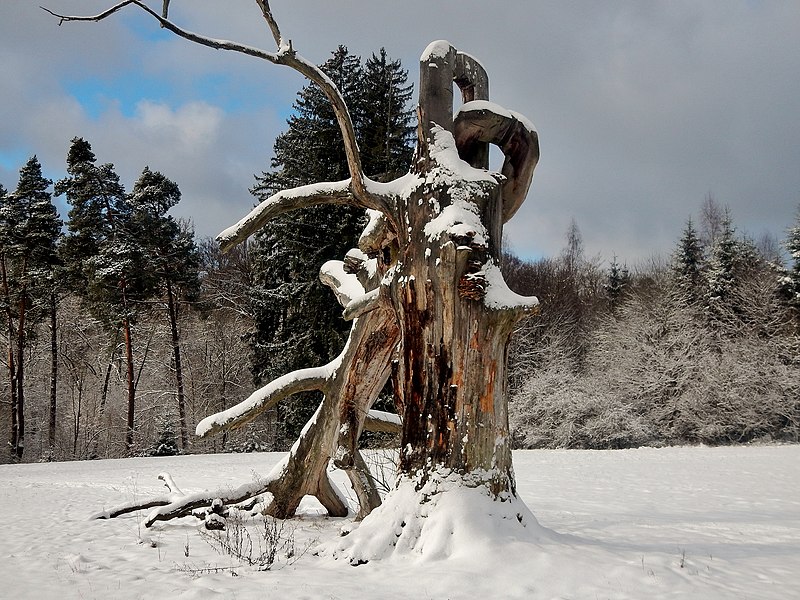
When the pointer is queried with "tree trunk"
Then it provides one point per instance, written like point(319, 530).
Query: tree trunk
point(22, 306)
point(10, 363)
point(98, 418)
point(442, 288)
point(21, 373)
point(131, 384)
point(172, 309)
point(51, 437)
point(455, 313)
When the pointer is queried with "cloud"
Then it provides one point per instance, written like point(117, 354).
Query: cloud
point(642, 108)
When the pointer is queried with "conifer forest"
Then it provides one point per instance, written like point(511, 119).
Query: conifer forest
point(122, 330)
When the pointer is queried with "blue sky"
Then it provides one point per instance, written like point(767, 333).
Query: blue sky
point(642, 108)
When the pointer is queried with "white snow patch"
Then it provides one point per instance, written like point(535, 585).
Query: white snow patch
point(499, 295)
point(699, 523)
point(460, 219)
point(347, 286)
point(436, 49)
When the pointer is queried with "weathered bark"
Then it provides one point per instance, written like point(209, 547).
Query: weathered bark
point(350, 385)
point(451, 379)
point(438, 294)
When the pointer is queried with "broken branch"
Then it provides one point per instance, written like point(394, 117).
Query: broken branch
point(284, 56)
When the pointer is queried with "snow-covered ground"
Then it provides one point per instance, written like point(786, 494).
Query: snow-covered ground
point(651, 523)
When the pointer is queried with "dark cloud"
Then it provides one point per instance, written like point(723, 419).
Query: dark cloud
point(642, 108)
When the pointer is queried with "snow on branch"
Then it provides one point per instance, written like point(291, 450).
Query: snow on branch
point(480, 122)
point(386, 422)
point(286, 201)
point(303, 380)
point(174, 495)
point(345, 285)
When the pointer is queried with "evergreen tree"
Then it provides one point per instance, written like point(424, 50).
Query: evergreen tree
point(617, 283)
point(30, 230)
point(387, 124)
point(789, 281)
point(732, 260)
point(173, 260)
point(297, 321)
point(105, 260)
point(687, 266)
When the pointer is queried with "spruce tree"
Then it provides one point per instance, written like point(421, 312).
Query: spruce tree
point(789, 282)
point(387, 126)
point(688, 265)
point(297, 321)
point(732, 260)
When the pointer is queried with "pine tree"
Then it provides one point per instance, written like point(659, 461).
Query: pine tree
point(30, 230)
point(297, 321)
point(105, 260)
point(173, 260)
point(688, 265)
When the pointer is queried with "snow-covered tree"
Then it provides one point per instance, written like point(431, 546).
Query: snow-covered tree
point(688, 265)
point(104, 255)
point(29, 233)
point(789, 281)
point(172, 259)
point(429, 306)
point(723, 267)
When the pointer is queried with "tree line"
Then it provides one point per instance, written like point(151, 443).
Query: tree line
point(148, 329)
point(700, 347)
point(123, 330)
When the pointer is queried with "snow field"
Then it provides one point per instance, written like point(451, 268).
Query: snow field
point(700, 523)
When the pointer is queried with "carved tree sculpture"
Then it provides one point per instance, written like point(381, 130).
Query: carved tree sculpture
point(430, 307)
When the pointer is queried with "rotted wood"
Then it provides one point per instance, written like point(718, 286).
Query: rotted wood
point(451, 377)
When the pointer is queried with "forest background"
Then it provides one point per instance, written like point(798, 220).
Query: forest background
point(123, 331)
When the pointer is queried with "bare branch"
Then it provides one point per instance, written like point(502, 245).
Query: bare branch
point(98, 17)
point(273, 24)
point(284, 56)
point(188, 35)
